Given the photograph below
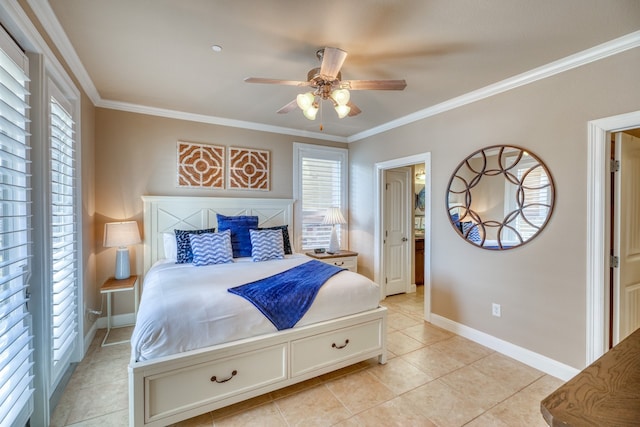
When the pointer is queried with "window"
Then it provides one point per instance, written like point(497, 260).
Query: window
point(16, 362)
point(536, 202)
point(320, 182)
point(63, 233)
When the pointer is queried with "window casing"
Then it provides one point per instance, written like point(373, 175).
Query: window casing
point(320, 182)
point(16, 347)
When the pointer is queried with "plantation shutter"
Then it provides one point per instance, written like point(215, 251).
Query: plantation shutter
point(16, 378)
point(536, 203)
point(322, 185)
point(64, 256)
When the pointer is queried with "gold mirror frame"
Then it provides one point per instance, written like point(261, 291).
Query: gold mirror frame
point(500, 197)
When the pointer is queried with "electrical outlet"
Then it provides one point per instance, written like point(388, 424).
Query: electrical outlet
point(496, 310)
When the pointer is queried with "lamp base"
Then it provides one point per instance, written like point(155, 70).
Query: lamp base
point(334, 244)
point(122, 264)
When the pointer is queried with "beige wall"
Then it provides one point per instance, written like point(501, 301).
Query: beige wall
point(136, 156)
point(541, 286)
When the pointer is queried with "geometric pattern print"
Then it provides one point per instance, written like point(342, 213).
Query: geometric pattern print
point(184, 252)
point(211, 248)
point(474, 234)
point(266, 245)
point(248, 169)
point(200, 165)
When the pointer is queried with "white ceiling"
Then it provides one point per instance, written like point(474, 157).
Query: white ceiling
point(143, 54)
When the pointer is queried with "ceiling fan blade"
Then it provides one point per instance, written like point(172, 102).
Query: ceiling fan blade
point(332, 60)
point(289, 107)
point(374, 84)
point(354, 109)
point(275, 81)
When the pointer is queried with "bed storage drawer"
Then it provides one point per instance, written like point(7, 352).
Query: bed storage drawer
point(316, 352)
point(190, 387)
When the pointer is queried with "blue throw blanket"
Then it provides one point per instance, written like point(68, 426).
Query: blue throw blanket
point(286, 297)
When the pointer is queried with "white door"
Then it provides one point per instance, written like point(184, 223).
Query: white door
point(397, 231)
point(626, 278)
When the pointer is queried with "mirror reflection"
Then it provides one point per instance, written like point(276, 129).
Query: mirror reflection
point(500, 197)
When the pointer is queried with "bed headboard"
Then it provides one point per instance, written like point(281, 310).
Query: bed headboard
point(163, 214)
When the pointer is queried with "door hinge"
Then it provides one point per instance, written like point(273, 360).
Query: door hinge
point(614, 261)
point(614, 165)
point(386, 280)
point(386, 186)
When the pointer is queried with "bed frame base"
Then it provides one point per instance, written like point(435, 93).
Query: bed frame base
point(174, 388)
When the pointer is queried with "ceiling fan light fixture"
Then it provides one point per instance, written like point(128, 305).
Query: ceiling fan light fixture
point(341, 96)
point(342, 110)
point(311, 112)
point(305, 100)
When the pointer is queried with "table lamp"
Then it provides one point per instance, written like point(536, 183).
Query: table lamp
point(120, 235)
point(333, 217)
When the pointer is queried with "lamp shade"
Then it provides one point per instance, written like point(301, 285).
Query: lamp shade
point(120, 234)
point(334, 216)
point(305, 100)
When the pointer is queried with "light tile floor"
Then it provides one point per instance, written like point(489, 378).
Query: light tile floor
point(432, 378)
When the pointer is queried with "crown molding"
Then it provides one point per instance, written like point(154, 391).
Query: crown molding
point(604, 50)
point(201, 118)
point(52, 26)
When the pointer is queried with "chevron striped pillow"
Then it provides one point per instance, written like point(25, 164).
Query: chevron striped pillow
point(211, 248)
point(266, 245)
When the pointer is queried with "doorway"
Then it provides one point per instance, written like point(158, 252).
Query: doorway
point(624, 295)
point(598, 231)
point(423, 159)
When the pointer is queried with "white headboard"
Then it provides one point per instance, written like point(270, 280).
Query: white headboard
point(163, 214)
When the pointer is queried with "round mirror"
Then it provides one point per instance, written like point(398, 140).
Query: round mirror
point(500, 197)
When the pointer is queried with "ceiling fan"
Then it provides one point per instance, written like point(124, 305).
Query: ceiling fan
point(327, 84)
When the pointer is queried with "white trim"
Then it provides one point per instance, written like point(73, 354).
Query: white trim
point(301, 150)
point(50, 22)
point(201, 118)
point(587, 56)
point(597, 230)
point(52, 26)
point(117, 321)
point(378, 215)
point(528, 357)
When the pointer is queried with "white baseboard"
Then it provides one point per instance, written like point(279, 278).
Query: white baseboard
point(88, 338)
point(117, 321)
point(528, 357)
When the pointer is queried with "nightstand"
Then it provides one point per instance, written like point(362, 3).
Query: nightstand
point(344, 259)
point(114, 285)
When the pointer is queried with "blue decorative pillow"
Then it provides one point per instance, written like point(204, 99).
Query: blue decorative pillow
point(239, 227)
point(211, 248)
point(266, 245)
point(184, 254)
point(455, 218)
point(285, 237)
point(474, 234)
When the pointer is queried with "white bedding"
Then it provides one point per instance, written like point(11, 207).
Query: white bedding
point(184, 307)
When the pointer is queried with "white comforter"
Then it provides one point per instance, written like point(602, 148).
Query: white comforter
point(185, 307)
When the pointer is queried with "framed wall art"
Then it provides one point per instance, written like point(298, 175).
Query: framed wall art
point(201, 165)
point(249, 169)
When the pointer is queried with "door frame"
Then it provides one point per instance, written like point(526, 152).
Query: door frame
point(378, 265)
point(598, 233)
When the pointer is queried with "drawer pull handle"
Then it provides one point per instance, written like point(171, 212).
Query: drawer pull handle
point(338, 347)
point(338, 263)
point(233, 374)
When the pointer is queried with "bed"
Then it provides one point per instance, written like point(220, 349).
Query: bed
point(243, 358)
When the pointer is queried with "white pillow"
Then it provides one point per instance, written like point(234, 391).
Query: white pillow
point(211, 248)
point(170, 246)
point(266, 245)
